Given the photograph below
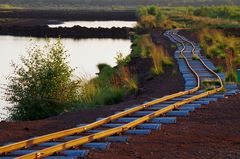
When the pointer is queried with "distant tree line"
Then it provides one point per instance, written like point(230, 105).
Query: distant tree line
point(112, 3)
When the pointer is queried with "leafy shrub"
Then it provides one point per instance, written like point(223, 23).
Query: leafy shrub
point(149, 17)
point(121, 60)
point(42, 85)
point(101, 66)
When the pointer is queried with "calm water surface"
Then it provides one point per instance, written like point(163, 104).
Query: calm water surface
point(95, 24)
point(85, 54)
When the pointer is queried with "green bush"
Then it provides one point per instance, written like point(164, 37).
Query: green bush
point(109, 95)
point(101, 66)
point(149, 17)
point(226, 12)
point(121, 60)
point(42, 85)
point(109, 87)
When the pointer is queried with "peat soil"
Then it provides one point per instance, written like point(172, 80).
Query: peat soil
point(212, 132)
point(150, 87)
point(75, 32)
point(32, 17)
point(34, 23)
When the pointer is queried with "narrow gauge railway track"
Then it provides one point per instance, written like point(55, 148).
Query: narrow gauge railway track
point(67, 143)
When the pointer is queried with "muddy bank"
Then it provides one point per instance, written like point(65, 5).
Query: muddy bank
point(34, 23)
point(88, 15)
point(73, 32)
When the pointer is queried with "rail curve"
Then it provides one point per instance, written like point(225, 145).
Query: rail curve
point(67, 140)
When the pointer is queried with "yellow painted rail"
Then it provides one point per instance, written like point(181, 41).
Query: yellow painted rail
point(77, 142)
point(53, 136)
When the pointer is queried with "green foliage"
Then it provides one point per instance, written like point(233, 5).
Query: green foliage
point(195, 57)
point(141, 46)
point(121, 60)
point(102, 66)
point(109, 87)
point(224, 50)
point(112, 4)
point(226, 12)
point(42, 85)
point(149, 17)
point(219, 69)
point(93, 93)
point(211, 83)
point(128, 80)
point(160, 59)
point(210, 88)
point(231, 76)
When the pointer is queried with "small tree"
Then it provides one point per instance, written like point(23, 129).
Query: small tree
point(41, 86)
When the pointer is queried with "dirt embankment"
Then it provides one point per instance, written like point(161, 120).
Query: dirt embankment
point(69, 15)
point(73, 32)
point(212, 132)
point(150, 87)
point(34, 23)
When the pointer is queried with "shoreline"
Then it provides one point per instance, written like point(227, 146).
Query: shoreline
point(75, 32)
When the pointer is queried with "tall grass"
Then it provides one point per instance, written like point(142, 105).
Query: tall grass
point(198, 22)
point(109, 87)
point(224, 12)
point(127, 79)
point(157, 68)
point(141, 46)
point(149, 17)
point(160, 59)
point(144, 47)
point(225, 51)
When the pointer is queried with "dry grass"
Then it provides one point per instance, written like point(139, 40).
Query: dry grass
point(224, 50)
point(208, 20)
point(127, 79)
point(160, 58)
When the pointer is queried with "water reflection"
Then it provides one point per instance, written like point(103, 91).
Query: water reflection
point(85, 54)
point(95, 24)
